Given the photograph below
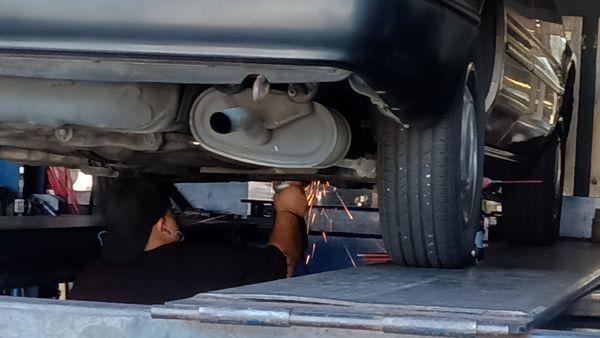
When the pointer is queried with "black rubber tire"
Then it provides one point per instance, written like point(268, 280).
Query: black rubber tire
point(531, 213)
point(419, 191)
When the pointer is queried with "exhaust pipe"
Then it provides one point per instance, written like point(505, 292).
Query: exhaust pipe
point(240, 119)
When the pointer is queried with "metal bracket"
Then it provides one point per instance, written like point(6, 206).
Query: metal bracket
point(360, 86)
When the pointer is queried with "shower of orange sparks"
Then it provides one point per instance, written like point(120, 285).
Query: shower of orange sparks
point(315, 191)
point(310, 199)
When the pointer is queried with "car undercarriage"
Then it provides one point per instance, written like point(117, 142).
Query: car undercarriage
point(108, 128)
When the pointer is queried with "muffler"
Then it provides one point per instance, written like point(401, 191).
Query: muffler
point(272, 132)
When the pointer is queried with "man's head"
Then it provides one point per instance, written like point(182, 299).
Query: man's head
point(136, 214)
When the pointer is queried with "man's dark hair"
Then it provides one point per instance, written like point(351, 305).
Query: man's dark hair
point(130, 207)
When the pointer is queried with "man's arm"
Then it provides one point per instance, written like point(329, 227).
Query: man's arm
point(232, 266)
point(290, 207)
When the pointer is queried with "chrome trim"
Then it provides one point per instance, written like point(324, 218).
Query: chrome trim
point(543, 75)
point(518, 28)
point(516, 50)
point(523, 60)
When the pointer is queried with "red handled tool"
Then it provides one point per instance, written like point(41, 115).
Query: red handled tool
point(487, 182)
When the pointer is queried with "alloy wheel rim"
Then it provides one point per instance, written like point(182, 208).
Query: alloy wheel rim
point(469, 157)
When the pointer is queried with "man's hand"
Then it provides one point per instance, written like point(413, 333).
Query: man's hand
point(291, 199)
point(290, 205)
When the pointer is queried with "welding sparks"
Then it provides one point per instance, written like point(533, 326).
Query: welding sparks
point(310, 197)
point(344, 205)
point(350, 256)
point(314, 216)
point(316, 192)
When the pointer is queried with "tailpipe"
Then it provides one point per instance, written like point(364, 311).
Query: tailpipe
point(240, 119)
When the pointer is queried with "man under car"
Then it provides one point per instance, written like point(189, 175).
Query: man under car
point(144, 260)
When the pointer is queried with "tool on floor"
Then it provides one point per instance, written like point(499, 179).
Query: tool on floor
point(487, 182)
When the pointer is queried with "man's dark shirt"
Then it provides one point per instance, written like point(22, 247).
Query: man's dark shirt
point(177, 271)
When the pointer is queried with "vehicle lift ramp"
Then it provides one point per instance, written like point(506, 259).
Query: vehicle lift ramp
point(514, 291)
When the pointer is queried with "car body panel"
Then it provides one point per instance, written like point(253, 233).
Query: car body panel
point(313, 31)
point(411, 51)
